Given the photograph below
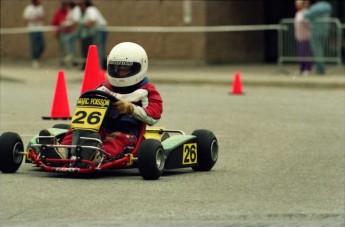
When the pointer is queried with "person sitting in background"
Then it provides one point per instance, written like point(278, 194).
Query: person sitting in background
point(93, 30)
point(61, 31)
point(72, 20)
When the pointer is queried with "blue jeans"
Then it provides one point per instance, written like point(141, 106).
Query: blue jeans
point(319, 41)
point(61, 48)
point(37, 44)
point(69, 40)
point(100, 40)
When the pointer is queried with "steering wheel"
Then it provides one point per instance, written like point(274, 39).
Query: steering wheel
point(99, 93)
point(103, 94)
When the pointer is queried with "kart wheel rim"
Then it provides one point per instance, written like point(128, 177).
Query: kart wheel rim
point(17, 157)
point(214, 150)
point(160, 159)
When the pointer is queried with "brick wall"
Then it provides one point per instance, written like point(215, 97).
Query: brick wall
point(210, 47)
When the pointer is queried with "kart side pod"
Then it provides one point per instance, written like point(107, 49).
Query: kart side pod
point(199, 150)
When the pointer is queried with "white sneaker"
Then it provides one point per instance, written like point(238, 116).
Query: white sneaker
point(305, 73)
point(35, 64)
point(68, 60)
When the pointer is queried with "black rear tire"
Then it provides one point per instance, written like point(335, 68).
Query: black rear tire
point(151, 159)
point(10, 145)
point(207, 149)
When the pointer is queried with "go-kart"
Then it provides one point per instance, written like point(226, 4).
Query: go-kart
point(157, 149)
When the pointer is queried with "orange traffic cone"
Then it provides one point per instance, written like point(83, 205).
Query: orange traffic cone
point(103, 75)
point(237, 85)
point(60, 107)
point(92, 73)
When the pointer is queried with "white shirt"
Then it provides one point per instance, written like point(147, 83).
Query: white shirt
point(34, 15)
point(73, 16)
point(93, 14)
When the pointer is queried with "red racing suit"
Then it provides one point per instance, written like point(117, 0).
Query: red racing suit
point(119, 132)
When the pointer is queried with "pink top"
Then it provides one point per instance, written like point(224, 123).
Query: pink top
point(302, 31)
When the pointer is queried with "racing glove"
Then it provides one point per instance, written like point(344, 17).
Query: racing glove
point(124, 107)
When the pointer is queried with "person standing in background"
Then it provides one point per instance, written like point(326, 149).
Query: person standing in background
point(93, 30)
point(33, 16)
point(72, 20)
point(302, 35)
point(61, 31)
point(317, 12)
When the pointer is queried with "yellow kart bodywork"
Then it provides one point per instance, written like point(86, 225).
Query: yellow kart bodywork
point(155, 132)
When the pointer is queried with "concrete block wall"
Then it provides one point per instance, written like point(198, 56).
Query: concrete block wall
point(199, 47)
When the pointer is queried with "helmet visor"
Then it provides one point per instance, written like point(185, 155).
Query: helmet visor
point(122, 69)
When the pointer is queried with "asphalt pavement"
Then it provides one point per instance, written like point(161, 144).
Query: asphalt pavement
point(281, 159)
point(250, 75)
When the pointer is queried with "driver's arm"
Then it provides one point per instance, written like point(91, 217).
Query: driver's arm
point(151, 104)
point(149, 114)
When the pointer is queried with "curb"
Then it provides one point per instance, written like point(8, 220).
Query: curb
point(287, 83)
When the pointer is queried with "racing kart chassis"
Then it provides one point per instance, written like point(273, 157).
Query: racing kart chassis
point(161, 150)
point(158, 149)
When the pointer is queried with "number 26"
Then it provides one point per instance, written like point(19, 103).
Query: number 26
point(91, 118)
point(189, 154)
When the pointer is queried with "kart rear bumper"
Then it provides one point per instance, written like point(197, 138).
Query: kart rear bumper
point(126, 161)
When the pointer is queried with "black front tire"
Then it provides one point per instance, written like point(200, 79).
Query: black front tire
point(151, 159)
point(10, 145)
point(207, 150)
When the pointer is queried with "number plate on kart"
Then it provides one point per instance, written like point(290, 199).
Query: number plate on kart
point(89, 113)
point(190, 154)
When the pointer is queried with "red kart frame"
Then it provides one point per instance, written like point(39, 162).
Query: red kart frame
point(126, 161)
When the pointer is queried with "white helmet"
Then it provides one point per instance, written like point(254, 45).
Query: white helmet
point(129, 57)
